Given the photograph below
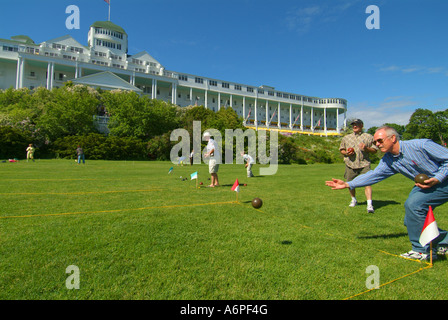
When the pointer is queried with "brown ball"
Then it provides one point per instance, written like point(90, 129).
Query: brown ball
point(257, 203)
point(420, 178)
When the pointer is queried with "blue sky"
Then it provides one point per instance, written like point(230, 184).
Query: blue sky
point(312, 47)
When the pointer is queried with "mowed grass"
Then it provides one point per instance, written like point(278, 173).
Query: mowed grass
point(137, 232)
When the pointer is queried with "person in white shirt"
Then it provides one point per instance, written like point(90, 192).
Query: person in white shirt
point(249, 163)
point(215, 159)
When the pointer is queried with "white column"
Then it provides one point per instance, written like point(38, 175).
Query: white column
point(154, 89)
point(325, 119)
point(174, 94)
point(278, 117)
point(19, 74)
point(206, 99)
point(337, 120)
point(244, 111)
point(290, 116)
point(191, 96)
point(219, 101)
point(256, 115)
point(267, 114)
point(301, 116)
point(50, 75)
point(312, 119)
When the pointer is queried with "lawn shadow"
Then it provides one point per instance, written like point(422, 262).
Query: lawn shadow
point(380, 203)
point(384, 236)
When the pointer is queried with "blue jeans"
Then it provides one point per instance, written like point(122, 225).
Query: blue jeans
point(416, 209)
point(81, 156)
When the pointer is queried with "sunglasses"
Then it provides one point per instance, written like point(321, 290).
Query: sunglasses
point(380, 141)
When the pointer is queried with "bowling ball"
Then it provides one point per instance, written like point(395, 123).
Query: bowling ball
point(420, 178)
point(257, 203)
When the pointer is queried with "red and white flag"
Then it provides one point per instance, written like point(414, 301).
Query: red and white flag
point(430, 230)
point(236, 186)
point(108, 2)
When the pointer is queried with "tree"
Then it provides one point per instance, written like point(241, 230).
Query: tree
point(140, 117)
point(424, 124)
point(68, 111)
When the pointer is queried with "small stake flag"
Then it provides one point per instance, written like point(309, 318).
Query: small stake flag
point(194, 175)
point(171, 170)
point(430, 230)
point(236, 188)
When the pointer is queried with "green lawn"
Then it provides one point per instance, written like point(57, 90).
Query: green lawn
point(136, 232)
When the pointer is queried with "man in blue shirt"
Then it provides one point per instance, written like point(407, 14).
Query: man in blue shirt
point(410, 158)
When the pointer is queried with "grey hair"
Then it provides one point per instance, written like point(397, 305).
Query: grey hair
point(389, 131)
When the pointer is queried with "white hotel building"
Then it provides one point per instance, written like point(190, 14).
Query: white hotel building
point(105, 63)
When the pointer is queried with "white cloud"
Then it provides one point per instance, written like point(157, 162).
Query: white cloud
point(414, 68)
point(301, 20)
point(391, 110)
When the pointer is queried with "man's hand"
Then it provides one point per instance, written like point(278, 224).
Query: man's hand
point(336, 184)
point(428, 183)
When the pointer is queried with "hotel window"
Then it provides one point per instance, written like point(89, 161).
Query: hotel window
point(32, 50)
point(237, 87)
point(12, 49)
point(58, 46)
point(260, 91)
point(270, 93)
point(75, 49)
point(100, 54)
point(225, 85)
point(213, 83)
point(249, 89)
point(183, 77)
point(199, 80)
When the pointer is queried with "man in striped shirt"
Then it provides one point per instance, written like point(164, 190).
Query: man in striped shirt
point(410, 158)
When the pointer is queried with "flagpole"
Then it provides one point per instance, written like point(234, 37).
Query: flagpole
point(430, 253)
point(109, 10)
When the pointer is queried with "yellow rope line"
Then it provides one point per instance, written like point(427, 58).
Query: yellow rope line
point(387, 283)
point(384, 284)
point(117, 210)
point(76, 193)
point(228, 202)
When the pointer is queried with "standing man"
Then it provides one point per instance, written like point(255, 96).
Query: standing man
point(355, 148)
point(80, 153)
point(249, 163)
point(215, 159)
point(410, 158)
point(30, 152)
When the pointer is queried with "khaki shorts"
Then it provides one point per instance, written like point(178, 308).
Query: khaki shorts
point(351, 174)
point(213, 166)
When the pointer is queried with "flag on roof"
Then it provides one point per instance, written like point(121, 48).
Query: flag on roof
point(430, 230)
point(236, 186)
